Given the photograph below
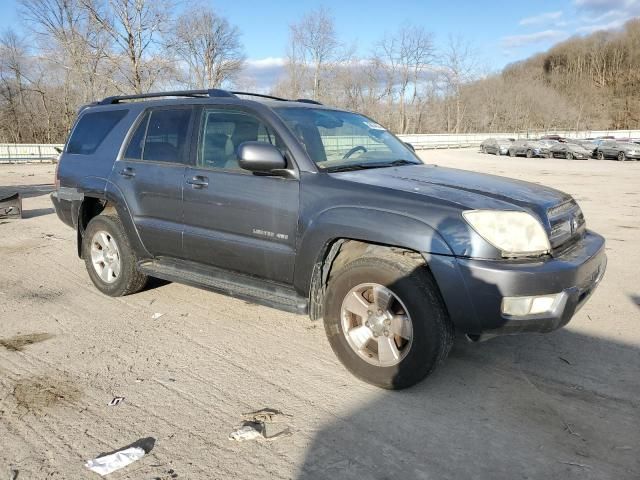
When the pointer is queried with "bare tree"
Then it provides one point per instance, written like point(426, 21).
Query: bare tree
point(209, 45)
point(405, 57)
point(314, 44)
point(134, 26)
point(459, 69)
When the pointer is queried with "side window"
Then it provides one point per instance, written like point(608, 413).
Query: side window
point(166, 138)
point(222, 132)
point(134, 149)
point(92, 129)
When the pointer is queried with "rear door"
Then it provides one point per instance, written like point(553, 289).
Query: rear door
point(234, 219)
point(151, 176)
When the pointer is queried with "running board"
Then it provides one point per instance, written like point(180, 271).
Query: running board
point(237, 285)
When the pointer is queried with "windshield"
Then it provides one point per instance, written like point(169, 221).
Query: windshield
point(337, 140)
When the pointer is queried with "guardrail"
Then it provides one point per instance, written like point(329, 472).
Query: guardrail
point(28, 152)
point(15, 153)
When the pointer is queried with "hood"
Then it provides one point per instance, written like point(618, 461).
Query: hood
point(469, 190)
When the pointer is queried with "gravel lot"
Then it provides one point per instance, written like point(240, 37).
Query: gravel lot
point(563, 405)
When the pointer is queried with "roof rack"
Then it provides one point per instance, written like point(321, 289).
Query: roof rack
point(212, 92)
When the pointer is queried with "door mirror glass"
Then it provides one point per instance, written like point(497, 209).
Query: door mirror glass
point(260, 157)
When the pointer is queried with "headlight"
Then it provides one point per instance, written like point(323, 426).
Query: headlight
point(513, 233)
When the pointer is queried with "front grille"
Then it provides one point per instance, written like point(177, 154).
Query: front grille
point(566, 222)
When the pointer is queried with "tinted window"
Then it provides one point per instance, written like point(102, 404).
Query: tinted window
point(222, 133)
point(134, 150)
point(92, 129)
point(166, 139)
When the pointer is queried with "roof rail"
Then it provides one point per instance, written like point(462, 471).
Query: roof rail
point(307, 100)
point(261, 95)
point(212, 92)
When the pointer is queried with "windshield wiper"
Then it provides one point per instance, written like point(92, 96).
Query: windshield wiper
point(365, 165)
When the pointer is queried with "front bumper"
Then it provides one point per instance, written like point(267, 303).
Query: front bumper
point(473, 289)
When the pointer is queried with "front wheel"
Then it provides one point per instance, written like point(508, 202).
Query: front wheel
point(385, 320)
point(600, 156)
point(569, 156)
point(512, 153)
point(109, 258)
point(529, 153)
point(622, 157)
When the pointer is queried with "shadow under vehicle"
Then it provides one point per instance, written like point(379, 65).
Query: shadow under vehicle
point(310, 209)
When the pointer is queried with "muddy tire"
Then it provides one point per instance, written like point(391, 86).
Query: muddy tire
point(385, 319)
point(109, 258)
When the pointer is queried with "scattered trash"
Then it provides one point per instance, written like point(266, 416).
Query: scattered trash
point(261, 425)
point(156, 316)
point(247, 432)
point(11, 206)
point(112, 461)
point(116, 401)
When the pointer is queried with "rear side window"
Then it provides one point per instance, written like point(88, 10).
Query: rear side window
point(166, 138)
point(92, 129)
point(134, 150)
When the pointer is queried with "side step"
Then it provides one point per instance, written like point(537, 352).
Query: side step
point(237, 285)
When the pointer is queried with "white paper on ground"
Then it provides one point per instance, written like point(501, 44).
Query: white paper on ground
point(247, 432)
point(115, 461)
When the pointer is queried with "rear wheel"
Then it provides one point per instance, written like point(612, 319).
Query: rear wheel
point(512, 153)
point(385, 320)
point(498, 151)
point(529, 153)
point(600, 156)
point(622, 157)
point(109, 258)
point(483, 149)
point(569, 156)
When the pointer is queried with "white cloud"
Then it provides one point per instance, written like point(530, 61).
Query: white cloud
point(264, 72)
point(542, 18)
point(514, 41)
point(605, 14)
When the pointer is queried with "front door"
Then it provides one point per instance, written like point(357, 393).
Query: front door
point(151, 177)
point(234, 219)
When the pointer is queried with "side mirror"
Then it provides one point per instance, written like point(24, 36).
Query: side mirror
point(260, 157)
point(411, 147)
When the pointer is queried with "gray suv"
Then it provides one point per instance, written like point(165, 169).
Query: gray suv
point(315, 210)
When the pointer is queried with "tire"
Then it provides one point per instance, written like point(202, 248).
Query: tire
point(600, 156)
point(100, 236)
point(529, 154)
point(482, 149)
point(512, 153)
point(415, 292)
point(568, 156)
point(622, 156)
point(498, 152)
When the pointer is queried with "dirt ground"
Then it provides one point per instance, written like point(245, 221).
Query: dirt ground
point(564, 405)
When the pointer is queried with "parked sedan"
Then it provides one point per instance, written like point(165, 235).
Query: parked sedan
point(620, 151)
point(570, 151)
point(497, 146)
point(529, 148)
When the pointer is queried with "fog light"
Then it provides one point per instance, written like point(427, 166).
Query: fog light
point(534, 305)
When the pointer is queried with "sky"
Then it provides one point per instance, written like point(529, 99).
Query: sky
point(500, 32)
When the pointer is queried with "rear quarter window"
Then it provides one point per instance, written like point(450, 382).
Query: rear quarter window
point(91, 130)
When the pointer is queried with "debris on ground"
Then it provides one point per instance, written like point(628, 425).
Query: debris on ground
point(156, 316)
point(115, 401)
point(264, 424)
point(17, 343)
point(13, 474)
point(112, 461)
point(11, 206)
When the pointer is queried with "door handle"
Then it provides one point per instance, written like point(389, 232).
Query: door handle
point(127, 172)
point(198, 181)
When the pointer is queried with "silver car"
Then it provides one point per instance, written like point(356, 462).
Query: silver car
point(529, 148)
point(620, 151)
point(570, 151)
point(497, 146)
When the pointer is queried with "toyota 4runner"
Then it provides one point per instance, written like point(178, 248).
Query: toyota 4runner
point(311, 209)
